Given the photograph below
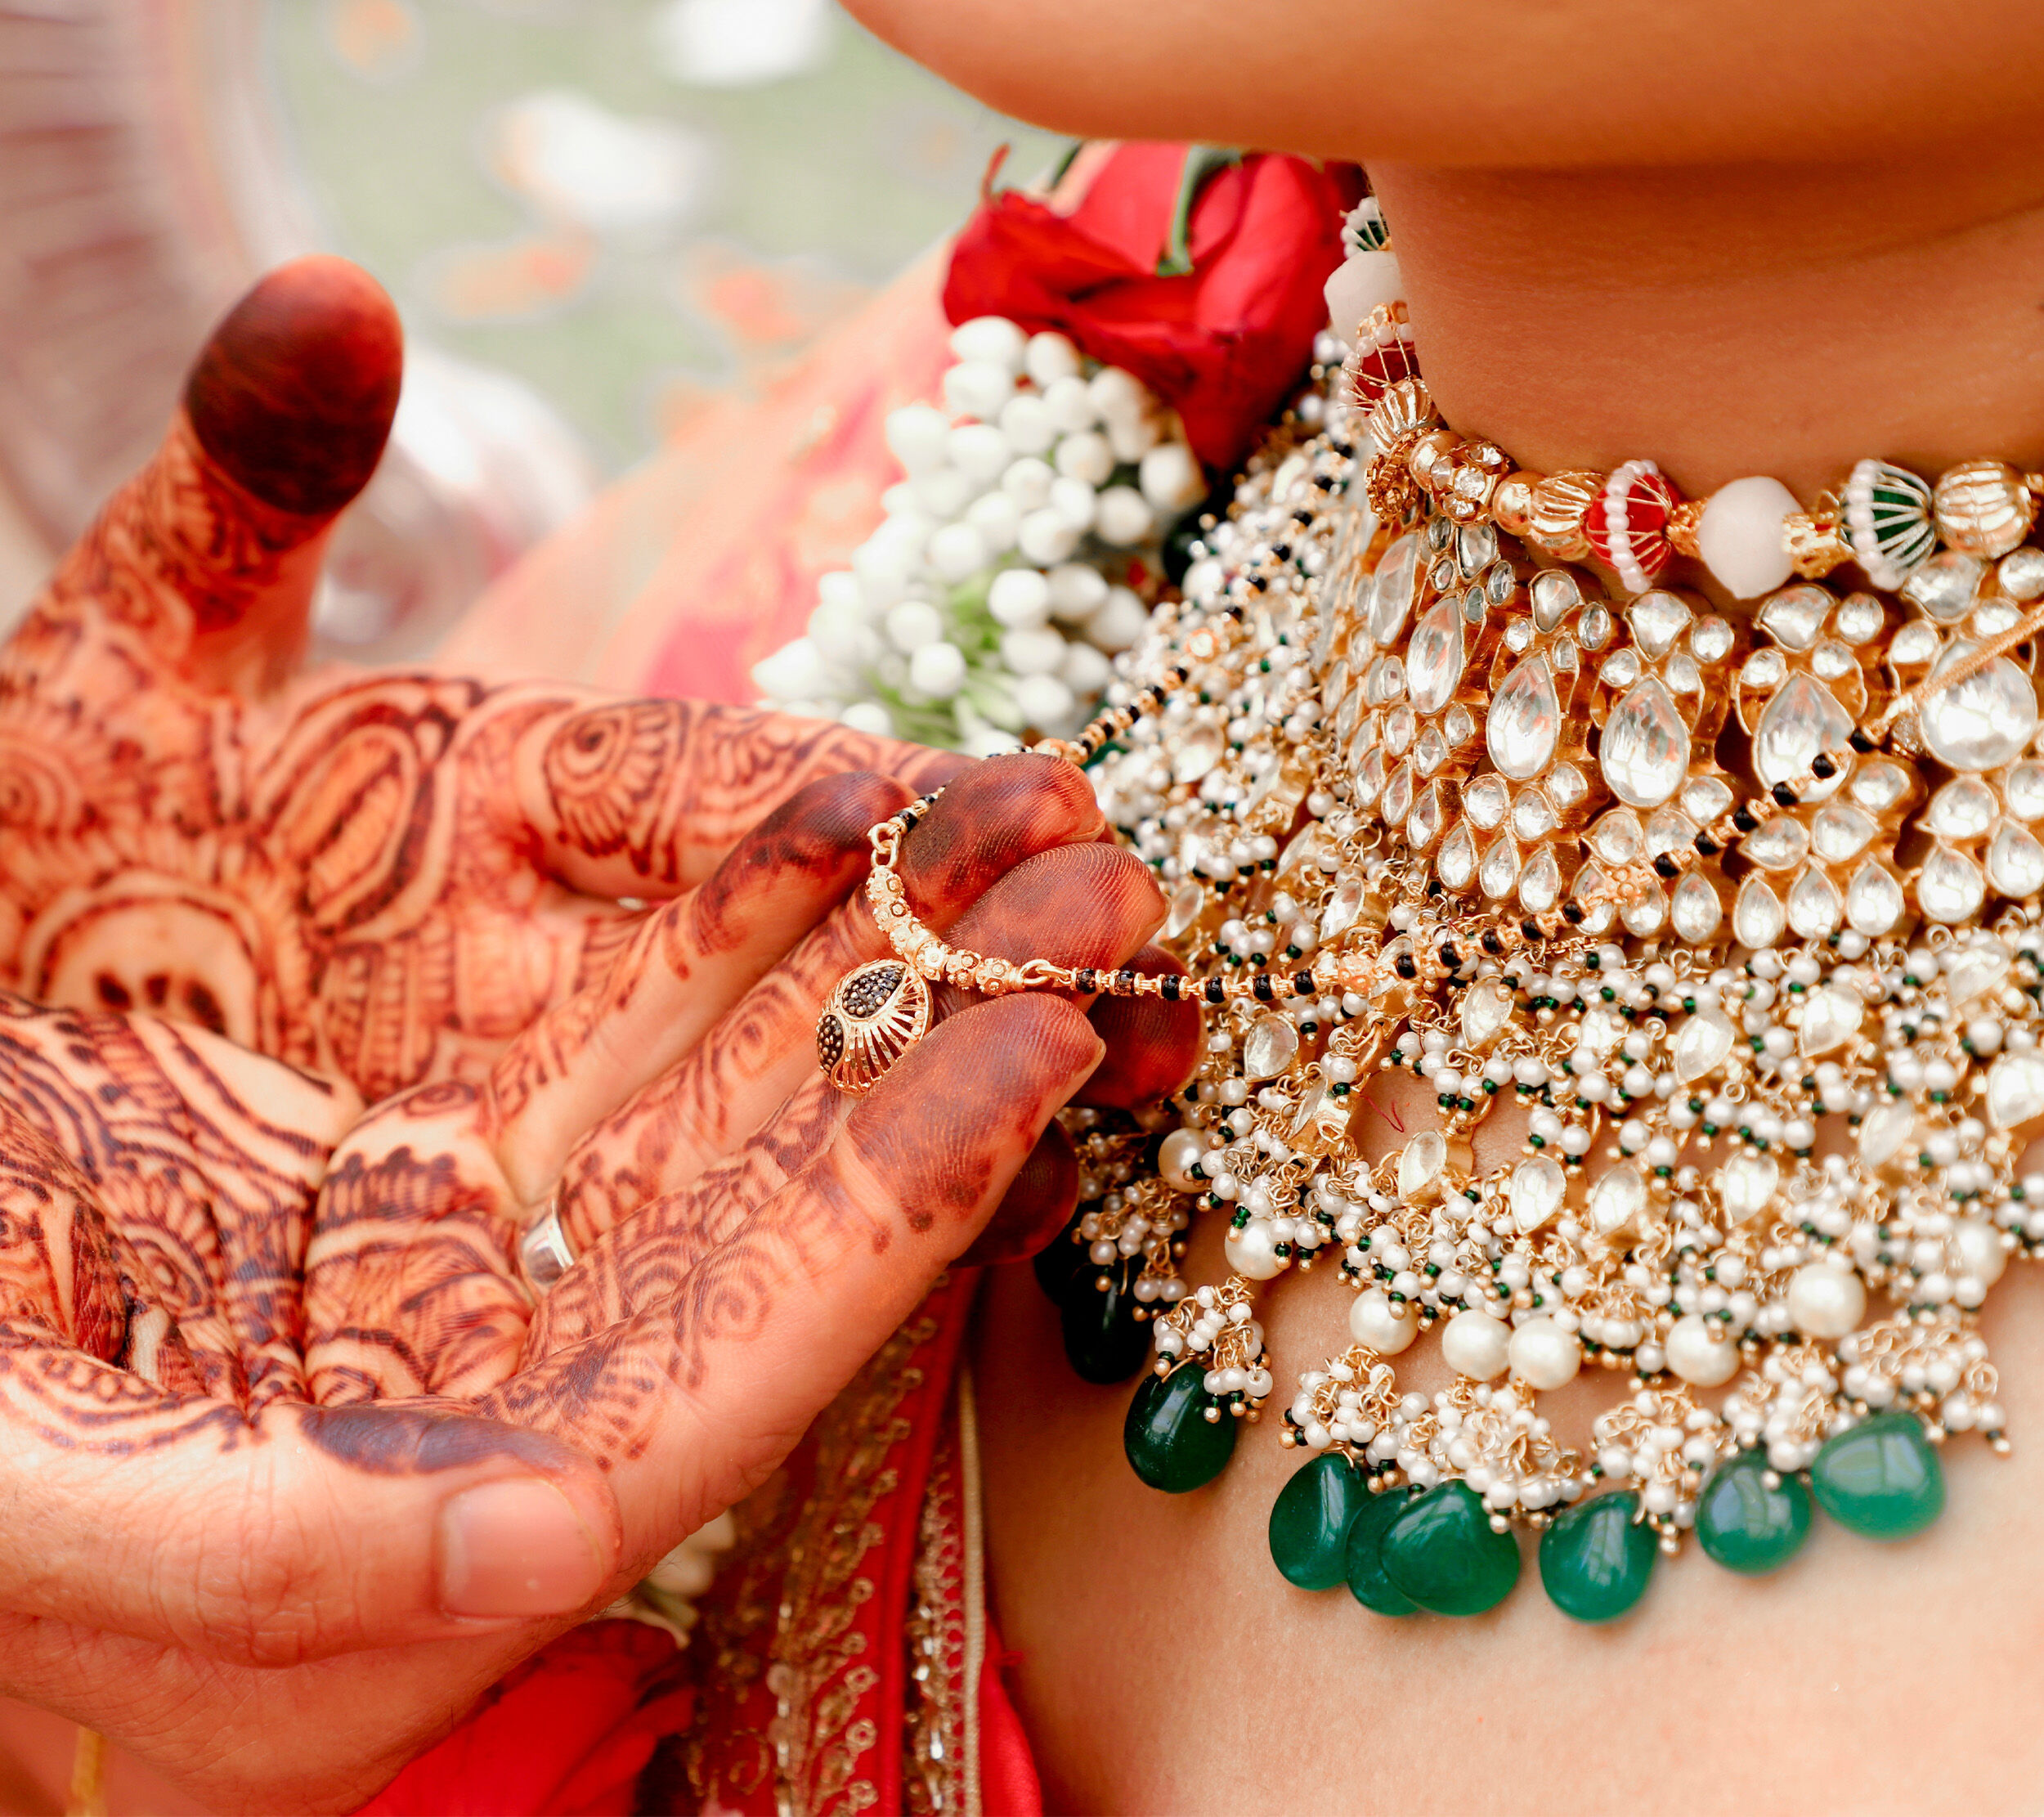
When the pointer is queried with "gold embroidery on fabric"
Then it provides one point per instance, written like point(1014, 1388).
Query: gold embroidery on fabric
point(933, 1757)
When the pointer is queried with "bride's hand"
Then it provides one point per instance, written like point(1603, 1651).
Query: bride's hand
point(273, 1540)
point(379, 876)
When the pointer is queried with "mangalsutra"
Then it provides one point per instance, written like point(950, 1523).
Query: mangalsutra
point(1735, 920)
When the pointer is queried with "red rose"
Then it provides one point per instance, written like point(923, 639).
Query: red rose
point(1222, 343)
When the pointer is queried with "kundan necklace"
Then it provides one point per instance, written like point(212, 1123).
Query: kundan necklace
point(1738, 915)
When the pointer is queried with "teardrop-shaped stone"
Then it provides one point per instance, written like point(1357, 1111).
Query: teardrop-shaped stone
point(1310, 1521)
point(1196, 751)
point(1500, 867)
point(1396, 575)
point(1273, 1041)
point(2016, 862)
point(1949, 887)
point(1420, 1164)
point(1456, 865)
point(1746, 1526)
point(1541, 882)
point(1487, 1006)
point(1983, 721)
point(1434, 658)
point(1536, 1193)
point(2015, 1090)
point(1187, 901)
point(1832, 1014)
point(1367, 1582)
point(1443, 1553)
point(1814, 905)
point(1343, 908)
point(1840, 832)
point(1526, 720)
point(1746, 1185)
point(1880, 1478)
point(1702, 1044)
point(1485, 800)
point(1618, 1201)
point(1963, 809)
point(1695, 909)
point(1596, 1559)
point(1886, 1131)
point(1103, 1343)
point(1972, 972)
point(1873, 900)
point(1644, 754)
point(1170, 1443)
point(1802, 719)
point(1758, 917)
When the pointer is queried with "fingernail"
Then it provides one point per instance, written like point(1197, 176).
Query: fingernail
point(515, 1548)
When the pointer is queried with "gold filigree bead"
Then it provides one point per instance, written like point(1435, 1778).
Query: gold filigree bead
point(1681, 527)
point(1982, 507)
point(1512, 504)
point(1405, 410)
point(1432, 460)
point(1560, 503)
point(1814, 545)
point(1476, 469)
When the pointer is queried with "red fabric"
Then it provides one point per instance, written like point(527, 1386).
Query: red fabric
point(1222, 343)
point(566, 1735)
point(1008, 1784)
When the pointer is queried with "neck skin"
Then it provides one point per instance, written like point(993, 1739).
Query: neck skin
point(1733, 321)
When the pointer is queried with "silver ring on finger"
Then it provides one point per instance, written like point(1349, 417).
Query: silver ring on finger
point(544, 1252)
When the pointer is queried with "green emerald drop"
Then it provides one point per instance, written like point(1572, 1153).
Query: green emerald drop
point(1595, 1559)
point(1367, 1582)
point(1103, 1342)
point(1744, 1525)
point(1881, 1479)
point(1172, 1445)
point(1442, 1552)
point(1310, 1521)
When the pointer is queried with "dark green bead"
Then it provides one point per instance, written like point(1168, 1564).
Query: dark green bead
point(1060, 1258)
point(1103, 1342)
point(1310, 1521)
point(1595, 1559)
point(1367, 1582)
point(1881, 1479)
point(1442, 1552)
point(1172, 1445)
point(1747, 1526)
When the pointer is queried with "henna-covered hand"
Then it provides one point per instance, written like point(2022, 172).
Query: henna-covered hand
point(380, 877)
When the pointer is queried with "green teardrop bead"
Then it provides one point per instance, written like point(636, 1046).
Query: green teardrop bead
point(1881, 1479)
point(1172, 1445)
point(1595, 1559)
point(1367, 1582)
point(1442, 1552)
point(1310, 1521)
point(1103, 1343)
point(1747, 1526)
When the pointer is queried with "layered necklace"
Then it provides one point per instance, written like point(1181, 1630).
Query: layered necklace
point(1735, 916)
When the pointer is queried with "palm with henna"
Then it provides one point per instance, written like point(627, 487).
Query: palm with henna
point(296, 1462)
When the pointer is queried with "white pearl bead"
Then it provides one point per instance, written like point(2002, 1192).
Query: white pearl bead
point(1698, 1355)
point(1252, 1251)
point(992, 339)
point(1980, 1251)
point(1477, 1345)
point(1739, 536)
point(1543, 1354)
point(1387, 1329)
point(1357, 285)
point(1825, 1301)
point(1175, 1157)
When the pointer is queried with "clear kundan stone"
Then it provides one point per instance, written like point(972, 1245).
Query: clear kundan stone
point(1368, 781)
point(1398, 796)
point(2023, 789)
point(1833, 660)
point(1879, 785)
point(1198, 750)
point(1423, 825)
point(1765, 669)
point(1858, 618)
point(1486, 1007)
point(1711, 641)
point(1669, 832)
point(1566, 787)
point(1984, 720)
point(1682, 673)
point(2016, 863)
point(1334, 690)
point(1618, 838)
point(1814, 905)
point(1758, 918)
point(1618, 1202)
point(1695, 910)
point(1644, 913)
point(1476, 548)
point(1739, 536)
point(1644, 753)
point(1555, 595)
point(1429, 752)
point(1702, 1044)
point(1565, 657)
point(1499, 869)
point(2022, 574)
point(1541, 882)
point(1949, 888)
point(1385, 683)
point(1802, 719)
point(1779, 843)
point(1186, 902)
point(1458, 726)
point(1946, 586)
point(1536, 1193)
point(1486, 800)
point(1420, 1164)
point(1886, 1131)
point(1746, 1185)
point(1272, 1044)
point(1972, 972)
point(1873, 900)
point(1704, 798)
point(2015, 1090)
point(1524, 722)
point(1595, 627)
point(1657, 619)
point(1793, 618)
point(1392, 599)
point(1400, 723)
point(1832, 1015)
point(1343, 908)
point(1600, 1031)
point(1918, 641)
point(1349, 715)
point(1590, 882)
point(1456, 865)
point(1840, 832)
point(1533, 816)
point(1434, 658)
point(1622, 670)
